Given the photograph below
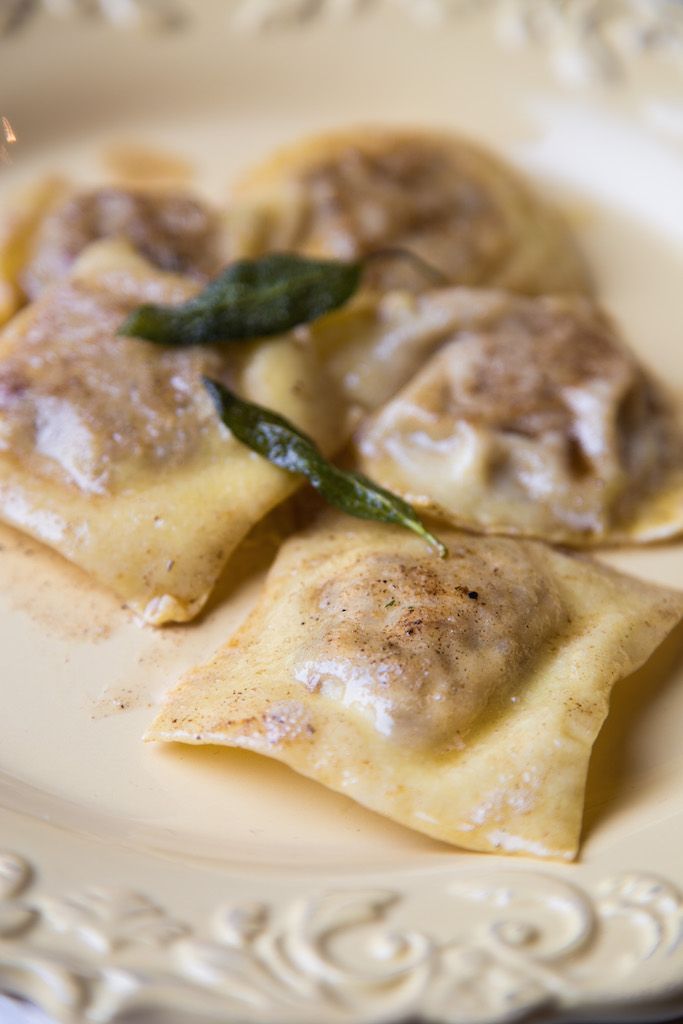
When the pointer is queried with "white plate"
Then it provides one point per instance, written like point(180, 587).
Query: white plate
point(202, 881)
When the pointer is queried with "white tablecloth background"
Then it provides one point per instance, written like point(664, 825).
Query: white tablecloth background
point(20, 1013)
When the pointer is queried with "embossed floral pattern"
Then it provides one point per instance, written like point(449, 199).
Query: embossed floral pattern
point(517, 941)
point(14, 875)
point(108, 920)
point(125, 13)
point(584, 39)
point(592, 39)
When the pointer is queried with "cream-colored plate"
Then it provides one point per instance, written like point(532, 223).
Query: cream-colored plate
point(192, 882)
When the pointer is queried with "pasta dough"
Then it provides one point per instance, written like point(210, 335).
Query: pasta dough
point(460, 697)
point(532, 418)
point(110, 449)
point(458, 207)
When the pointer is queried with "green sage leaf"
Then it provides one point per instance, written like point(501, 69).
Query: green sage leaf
point(279, 441)
point(251, 299)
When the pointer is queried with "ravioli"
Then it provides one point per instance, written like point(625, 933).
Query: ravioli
point(460, 697)
point(455, 205)
point(172, 230)
point(110, 449)
point(533, 418)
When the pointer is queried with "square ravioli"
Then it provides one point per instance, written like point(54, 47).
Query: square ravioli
point(531, 416)
point(110, 449)
point(457, 206)
point(460, 697)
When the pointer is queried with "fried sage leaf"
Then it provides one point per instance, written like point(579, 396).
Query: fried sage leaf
point(277, 440)
point(251, 299)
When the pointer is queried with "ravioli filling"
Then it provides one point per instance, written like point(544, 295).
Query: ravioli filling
point(173, 231)
point(533, 418)
point(86, 407)
point(424, 647)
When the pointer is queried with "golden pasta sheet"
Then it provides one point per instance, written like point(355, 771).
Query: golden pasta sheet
point(110, 449)
point(460, 697)
point(374, 345)
point(460, 208)
point(532, 417)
